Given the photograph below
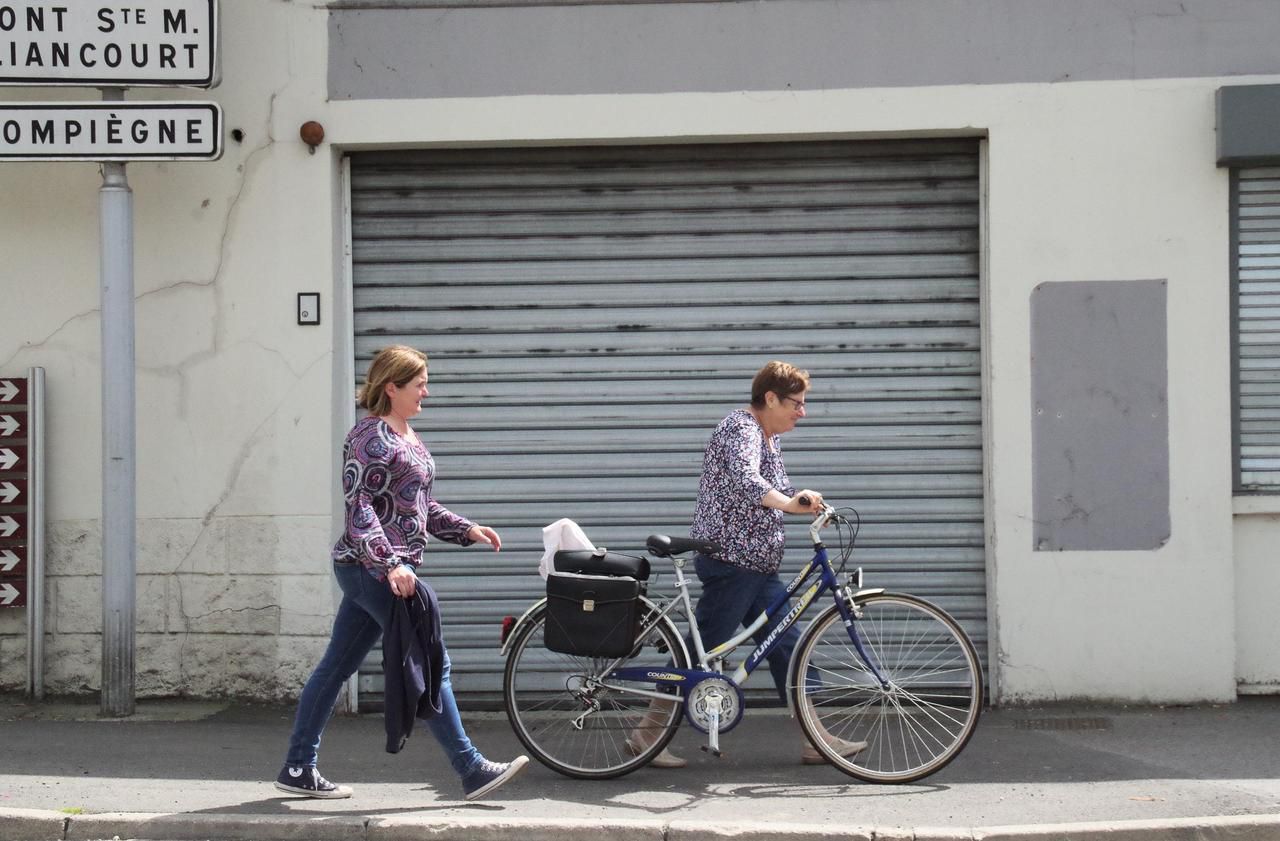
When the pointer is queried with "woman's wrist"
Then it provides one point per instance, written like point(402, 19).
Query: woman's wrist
point(775, 499)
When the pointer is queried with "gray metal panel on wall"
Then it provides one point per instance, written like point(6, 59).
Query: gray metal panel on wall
point(1248, 125)
point(1257, 274)
point(419, 50)
point(592, 313)
point(1100, 419)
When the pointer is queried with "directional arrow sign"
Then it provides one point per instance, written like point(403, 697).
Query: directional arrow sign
point(12, 424)
point(13, 458)
point(12, 560)
point(13, 391)
point(11, 526)
point(11, 596)
point(12, 492)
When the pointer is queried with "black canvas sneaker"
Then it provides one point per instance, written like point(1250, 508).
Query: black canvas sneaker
point(487, 776)
point(306, 781)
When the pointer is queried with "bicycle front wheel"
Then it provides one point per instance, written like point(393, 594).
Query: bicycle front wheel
point(916, 716)
point(579, 720)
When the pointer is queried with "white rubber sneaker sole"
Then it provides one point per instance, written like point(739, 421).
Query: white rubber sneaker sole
point(337, 794)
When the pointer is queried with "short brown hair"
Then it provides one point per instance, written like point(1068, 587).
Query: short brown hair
point(397, 364)
point(782, 378)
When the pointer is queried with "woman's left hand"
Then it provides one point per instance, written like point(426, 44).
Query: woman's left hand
point(484, 534)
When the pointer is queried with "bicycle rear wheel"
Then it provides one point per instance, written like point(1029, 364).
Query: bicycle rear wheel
point(914, 723)
point(577, 720)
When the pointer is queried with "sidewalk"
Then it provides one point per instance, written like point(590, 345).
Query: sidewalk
point(188, 770)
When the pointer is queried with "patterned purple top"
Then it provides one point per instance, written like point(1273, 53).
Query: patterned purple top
point(738, 469)
point(386, 480)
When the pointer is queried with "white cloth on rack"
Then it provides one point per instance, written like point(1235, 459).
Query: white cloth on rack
point(562, 534)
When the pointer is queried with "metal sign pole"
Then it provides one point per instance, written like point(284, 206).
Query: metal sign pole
point(118, 438)
point(35, 531)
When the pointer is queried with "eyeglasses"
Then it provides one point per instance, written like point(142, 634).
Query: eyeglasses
point(799, 404)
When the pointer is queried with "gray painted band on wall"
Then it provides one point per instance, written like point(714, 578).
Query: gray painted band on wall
point(1249, 124)
point(411, 51)
point(1100, 430)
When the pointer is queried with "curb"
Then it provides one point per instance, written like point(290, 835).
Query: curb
point(38, 825)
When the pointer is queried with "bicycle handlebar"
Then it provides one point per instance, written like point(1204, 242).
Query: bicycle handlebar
point(824, 515)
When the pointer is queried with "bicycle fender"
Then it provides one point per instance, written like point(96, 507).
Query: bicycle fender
point(520, 623)
point(795, 661)
point(792, 667)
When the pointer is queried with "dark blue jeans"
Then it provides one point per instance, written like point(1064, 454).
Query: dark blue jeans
point(358, 625)
point(733, 597)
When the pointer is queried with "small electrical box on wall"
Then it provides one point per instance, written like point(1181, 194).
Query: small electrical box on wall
point(309, 308)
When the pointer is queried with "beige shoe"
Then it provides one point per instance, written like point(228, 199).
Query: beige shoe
point(665, 759)
point(810, 755)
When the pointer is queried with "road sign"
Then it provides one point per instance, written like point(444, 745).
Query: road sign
point(110, 131)
point(13, 561)
point(13, 457)
point(13, 391)
point(140, 42)
point(13, 424)
point(13, 593)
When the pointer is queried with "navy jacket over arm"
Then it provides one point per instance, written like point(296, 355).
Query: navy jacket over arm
point(412, 664)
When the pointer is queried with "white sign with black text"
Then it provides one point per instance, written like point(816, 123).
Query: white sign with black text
point(134, 42)
point(110, 131)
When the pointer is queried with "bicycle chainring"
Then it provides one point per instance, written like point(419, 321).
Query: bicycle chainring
point(700, 699)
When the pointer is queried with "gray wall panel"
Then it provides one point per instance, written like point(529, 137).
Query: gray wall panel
point(581, 358)
point(1100, 424)
point(1248, 125)
point(411, 51)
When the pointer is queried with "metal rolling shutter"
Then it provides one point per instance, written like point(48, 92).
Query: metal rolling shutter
point(592, 313)
point(1257, 272)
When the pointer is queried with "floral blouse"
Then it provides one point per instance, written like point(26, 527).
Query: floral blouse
point(738, 469)
point(386, 480)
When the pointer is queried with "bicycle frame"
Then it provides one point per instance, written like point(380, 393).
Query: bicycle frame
point(707, 660)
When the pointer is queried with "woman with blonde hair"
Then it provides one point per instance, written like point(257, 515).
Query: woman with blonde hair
point(387, 475)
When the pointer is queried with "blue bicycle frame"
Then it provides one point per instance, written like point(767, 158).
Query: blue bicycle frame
point(680, 678)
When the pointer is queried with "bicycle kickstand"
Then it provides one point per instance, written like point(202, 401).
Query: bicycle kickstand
point(713, 726)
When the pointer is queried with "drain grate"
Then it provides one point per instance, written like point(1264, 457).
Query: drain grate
point(1075, 723)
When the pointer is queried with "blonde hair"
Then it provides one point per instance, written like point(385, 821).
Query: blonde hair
point(398, 364)
point(782, 378)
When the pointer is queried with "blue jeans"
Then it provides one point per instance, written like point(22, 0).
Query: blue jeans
point(358, 625)
point(733, 597)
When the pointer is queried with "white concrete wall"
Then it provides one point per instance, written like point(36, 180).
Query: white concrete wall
point(234, 420)
point(237, 428)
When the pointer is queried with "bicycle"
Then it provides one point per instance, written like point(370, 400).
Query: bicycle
point(888, 669)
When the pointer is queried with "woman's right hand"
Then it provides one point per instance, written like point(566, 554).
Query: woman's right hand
point(403, 581)
point(804, 502)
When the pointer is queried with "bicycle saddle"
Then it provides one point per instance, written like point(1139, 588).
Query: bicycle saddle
point(665, 547)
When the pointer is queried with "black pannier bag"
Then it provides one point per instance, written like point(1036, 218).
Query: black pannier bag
point(592, 615)
point(601, 562)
